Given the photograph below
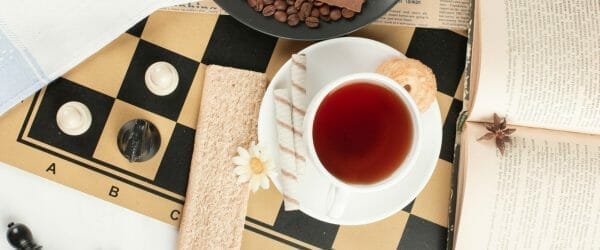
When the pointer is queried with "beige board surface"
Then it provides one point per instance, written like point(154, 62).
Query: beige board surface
point(94, 166)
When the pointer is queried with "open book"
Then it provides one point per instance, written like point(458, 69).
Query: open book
point(537, 62)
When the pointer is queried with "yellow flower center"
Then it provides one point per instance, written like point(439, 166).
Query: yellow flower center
point(256, 166)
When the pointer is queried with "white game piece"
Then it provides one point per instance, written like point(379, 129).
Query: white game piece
point(161, 78)
point(73, 118)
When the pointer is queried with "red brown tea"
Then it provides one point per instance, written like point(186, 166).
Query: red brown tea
point(362, 133)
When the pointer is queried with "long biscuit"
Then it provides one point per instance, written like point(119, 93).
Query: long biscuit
point(215, 204)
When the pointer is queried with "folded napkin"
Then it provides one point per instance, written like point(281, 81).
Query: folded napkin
point(41, 41)
point(215, 206)
point(290, 108)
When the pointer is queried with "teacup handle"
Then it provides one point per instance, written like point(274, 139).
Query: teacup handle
point(337, 200)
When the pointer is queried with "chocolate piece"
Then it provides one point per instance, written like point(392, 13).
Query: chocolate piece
point(353, 5)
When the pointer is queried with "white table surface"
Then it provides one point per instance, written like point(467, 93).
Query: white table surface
point(64, 218)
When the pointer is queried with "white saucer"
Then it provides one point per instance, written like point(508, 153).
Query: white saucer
point(327, 61)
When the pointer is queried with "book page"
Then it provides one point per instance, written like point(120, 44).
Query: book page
point(544, 193)
point(540, 63)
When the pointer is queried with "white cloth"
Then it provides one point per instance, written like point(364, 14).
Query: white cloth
point(42, 40)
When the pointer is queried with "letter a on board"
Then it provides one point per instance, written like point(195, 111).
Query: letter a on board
point(51, 168)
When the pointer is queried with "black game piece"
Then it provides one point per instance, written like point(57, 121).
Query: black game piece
point(19, 236)
point(138, 140)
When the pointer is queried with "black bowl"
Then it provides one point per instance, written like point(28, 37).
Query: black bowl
point(240, 10)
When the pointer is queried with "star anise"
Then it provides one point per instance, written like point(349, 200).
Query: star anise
point(499, 132)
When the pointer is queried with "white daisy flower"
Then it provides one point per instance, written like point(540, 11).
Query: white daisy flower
point(254, 165)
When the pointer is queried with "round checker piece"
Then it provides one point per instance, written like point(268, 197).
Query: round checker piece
point(73, 118)
point(161, 78)
point(416, 77)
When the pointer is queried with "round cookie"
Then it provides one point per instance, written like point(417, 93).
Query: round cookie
point(416, 77)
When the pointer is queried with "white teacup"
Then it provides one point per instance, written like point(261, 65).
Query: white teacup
point(339, 190)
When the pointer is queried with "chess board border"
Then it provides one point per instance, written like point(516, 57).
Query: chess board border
point(413, 229)
point(87, 166)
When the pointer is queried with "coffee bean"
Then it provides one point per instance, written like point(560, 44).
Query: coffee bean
point(298, 4)
point(291, 10)
point(305, 10)
point(293, 20)
point(324, 9)
point(260, 4)
point(280, 5)
point(312, 22)
point(269, 10)
point(315, 12)
point(280, 16)
point(348, 14)
point(335, 14)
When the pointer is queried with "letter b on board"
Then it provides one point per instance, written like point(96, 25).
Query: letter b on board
point(114, 191)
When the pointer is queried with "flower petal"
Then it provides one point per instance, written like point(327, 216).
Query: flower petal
point(254, 182)
point(253, 150)
point(243, 153)
point(239, 170)
point(264, 157)
point(243, 178)
point(240, 161)
point(264, 182)
point(268, 165)
point(272, 174)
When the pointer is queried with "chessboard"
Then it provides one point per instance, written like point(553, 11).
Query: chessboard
point(111, 84)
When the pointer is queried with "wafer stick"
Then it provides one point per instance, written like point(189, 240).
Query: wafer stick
point(298, 76)
point(215, 206)
point(287, 152)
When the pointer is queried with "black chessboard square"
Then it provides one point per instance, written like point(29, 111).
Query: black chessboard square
point(45, 129)
point(175, 165)
point(138, 28)
point(305, 228)
point(134, 90)
point(422, 234)
point(234, 44)
point(408, 207)
point(444, 52)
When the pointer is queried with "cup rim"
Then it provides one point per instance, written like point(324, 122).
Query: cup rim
point(376, 79)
